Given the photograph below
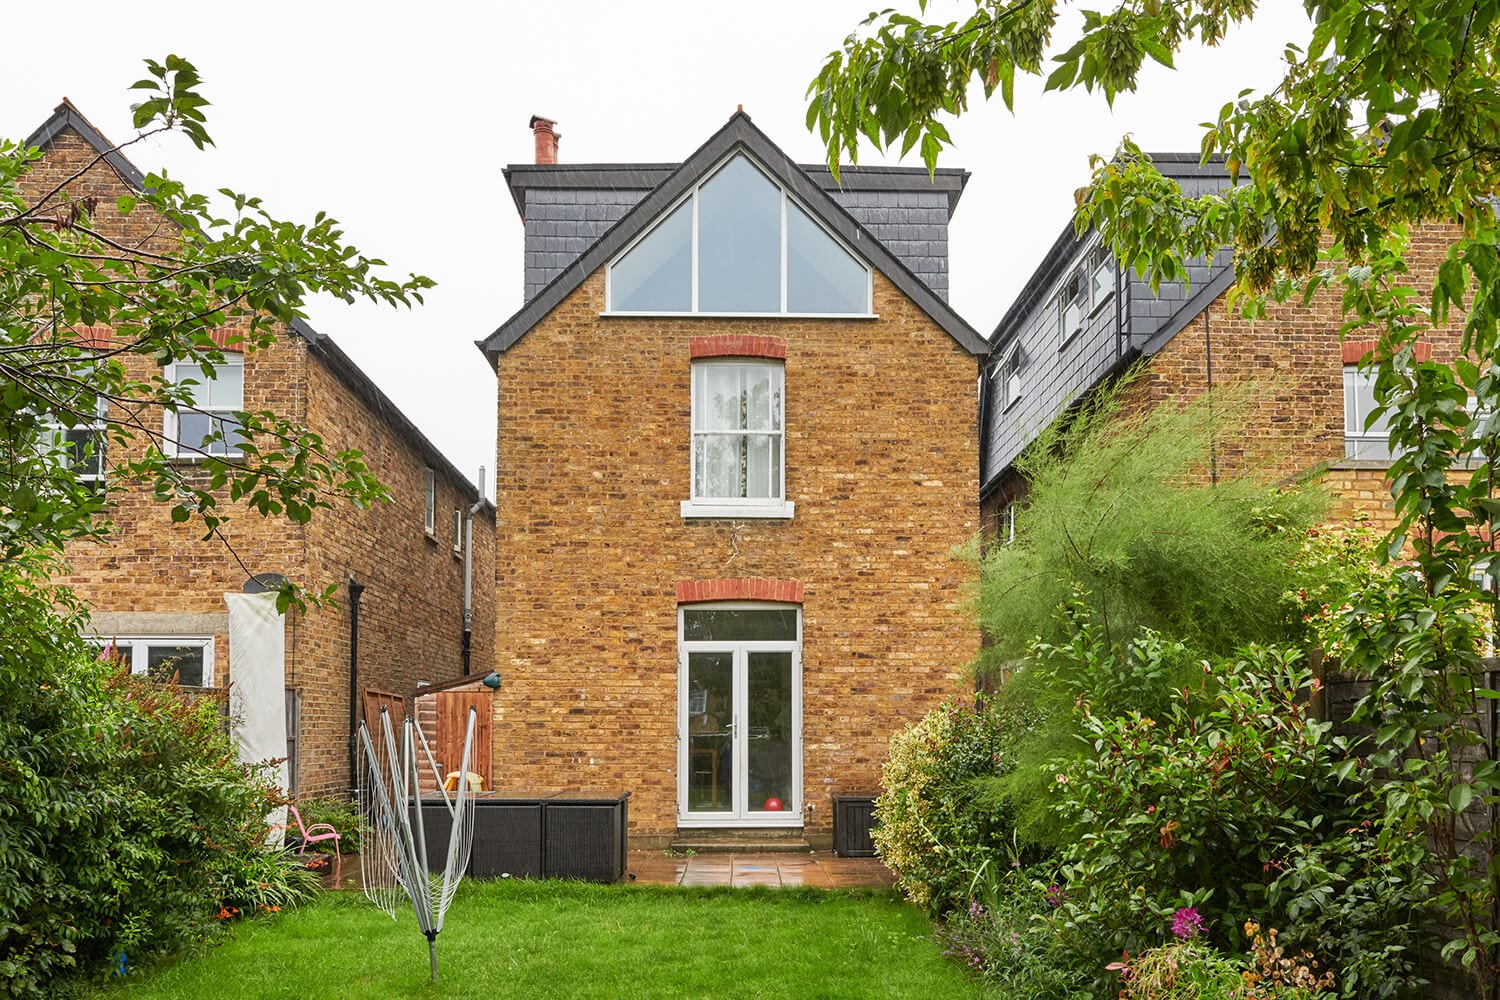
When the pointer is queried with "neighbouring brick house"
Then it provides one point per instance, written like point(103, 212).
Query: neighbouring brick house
point(1081, 320)
point(737, 449)
point(156, 589)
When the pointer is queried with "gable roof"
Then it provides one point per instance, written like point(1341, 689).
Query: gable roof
point(66, 116)
point(738, 134)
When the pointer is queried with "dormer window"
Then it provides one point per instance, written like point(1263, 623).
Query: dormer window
point(739, 245)
point(1072, 306)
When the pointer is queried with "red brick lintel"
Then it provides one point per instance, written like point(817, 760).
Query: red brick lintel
point(1355, 351)
point(734, 345)
point(102, 338)
point(739, 589)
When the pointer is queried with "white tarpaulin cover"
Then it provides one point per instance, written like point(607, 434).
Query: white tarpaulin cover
point(257, 673)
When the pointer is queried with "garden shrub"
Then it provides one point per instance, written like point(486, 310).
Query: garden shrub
point(119, 801)
point(999, 935)
point(1147, 675)
point(1248, 809)
point(249, 882)
point(1120, 505)
point(928, 832)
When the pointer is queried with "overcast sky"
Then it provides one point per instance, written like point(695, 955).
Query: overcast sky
point(398, 118)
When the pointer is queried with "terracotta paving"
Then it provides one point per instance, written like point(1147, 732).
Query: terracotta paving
point(817, 869)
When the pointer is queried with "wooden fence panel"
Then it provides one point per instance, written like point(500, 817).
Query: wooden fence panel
point(393, 703)
point(452, 720)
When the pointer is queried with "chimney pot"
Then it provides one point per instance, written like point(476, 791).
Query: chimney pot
point(546, 139)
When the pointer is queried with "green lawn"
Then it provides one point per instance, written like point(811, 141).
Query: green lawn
point(571, 940)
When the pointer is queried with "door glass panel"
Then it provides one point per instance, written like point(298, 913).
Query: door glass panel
point(735, 625)
point(710, 706)
point(769, 743)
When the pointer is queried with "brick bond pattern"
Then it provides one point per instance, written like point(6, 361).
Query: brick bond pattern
point(594, 553)
point(1296, 422)
point(412, 609)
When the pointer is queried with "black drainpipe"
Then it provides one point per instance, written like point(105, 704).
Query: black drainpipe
point(1213, 445)
point(356, 590)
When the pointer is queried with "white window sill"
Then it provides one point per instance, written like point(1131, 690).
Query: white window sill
point(782, 510)
point(1104, 300)
point(194, 456)
point(1012, 404)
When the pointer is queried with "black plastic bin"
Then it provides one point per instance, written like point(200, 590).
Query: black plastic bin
point(853, 821)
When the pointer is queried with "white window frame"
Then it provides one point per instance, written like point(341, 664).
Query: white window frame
point(1008, 376)
point(458, 531)
point(1360, 443)
point(1101, 277)
point(791, 815)
point(1072, 294)
point(139, 647)
point(1008, 523)
point(692, 196)
point(429, 500)
point(739, 507)
point(178, 371)
point(57, 439)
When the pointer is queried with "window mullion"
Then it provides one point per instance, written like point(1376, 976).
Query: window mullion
point(783, 251)
point(695, 250)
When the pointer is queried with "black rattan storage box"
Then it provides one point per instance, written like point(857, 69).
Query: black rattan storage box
point(853, 819)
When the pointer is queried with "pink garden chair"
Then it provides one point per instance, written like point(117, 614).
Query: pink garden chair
point(313, 834)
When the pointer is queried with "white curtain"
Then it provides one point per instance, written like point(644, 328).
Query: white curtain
point(257, 700)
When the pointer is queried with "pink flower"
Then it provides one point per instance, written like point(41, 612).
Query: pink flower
point(1187, 923)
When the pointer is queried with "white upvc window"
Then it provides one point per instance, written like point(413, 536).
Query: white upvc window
point(458, 530)
point(1101, 271)
point(1072, 306)
point(209, 425)
point(738, 440)
point(81, 446)
point(738, 244)
point(429, 502)
point(1007, 523)
point(190, 658)
point(1363, 439)
point(1008, 377)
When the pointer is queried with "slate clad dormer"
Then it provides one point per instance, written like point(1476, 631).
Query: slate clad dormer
point(1079, 320)
point(567, 207)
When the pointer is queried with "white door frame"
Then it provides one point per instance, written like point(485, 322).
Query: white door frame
point(739, 814)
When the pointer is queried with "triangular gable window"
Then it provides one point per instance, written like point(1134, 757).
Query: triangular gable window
point(738, 244)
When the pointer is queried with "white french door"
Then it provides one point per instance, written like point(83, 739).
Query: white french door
point(740, 716)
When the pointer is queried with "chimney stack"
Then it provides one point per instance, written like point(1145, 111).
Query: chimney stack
point(546, 139)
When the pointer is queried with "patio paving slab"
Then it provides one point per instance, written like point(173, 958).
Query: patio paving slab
point(820, 870)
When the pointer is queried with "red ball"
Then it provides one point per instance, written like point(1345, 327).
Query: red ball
point(773, 804)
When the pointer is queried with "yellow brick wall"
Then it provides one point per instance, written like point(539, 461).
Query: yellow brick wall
point(1297, 420)
point(881, 458)
point(411, 617)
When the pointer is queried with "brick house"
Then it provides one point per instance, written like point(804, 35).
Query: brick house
point(156, 590)
point(737, 450)
point(1081, 320)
